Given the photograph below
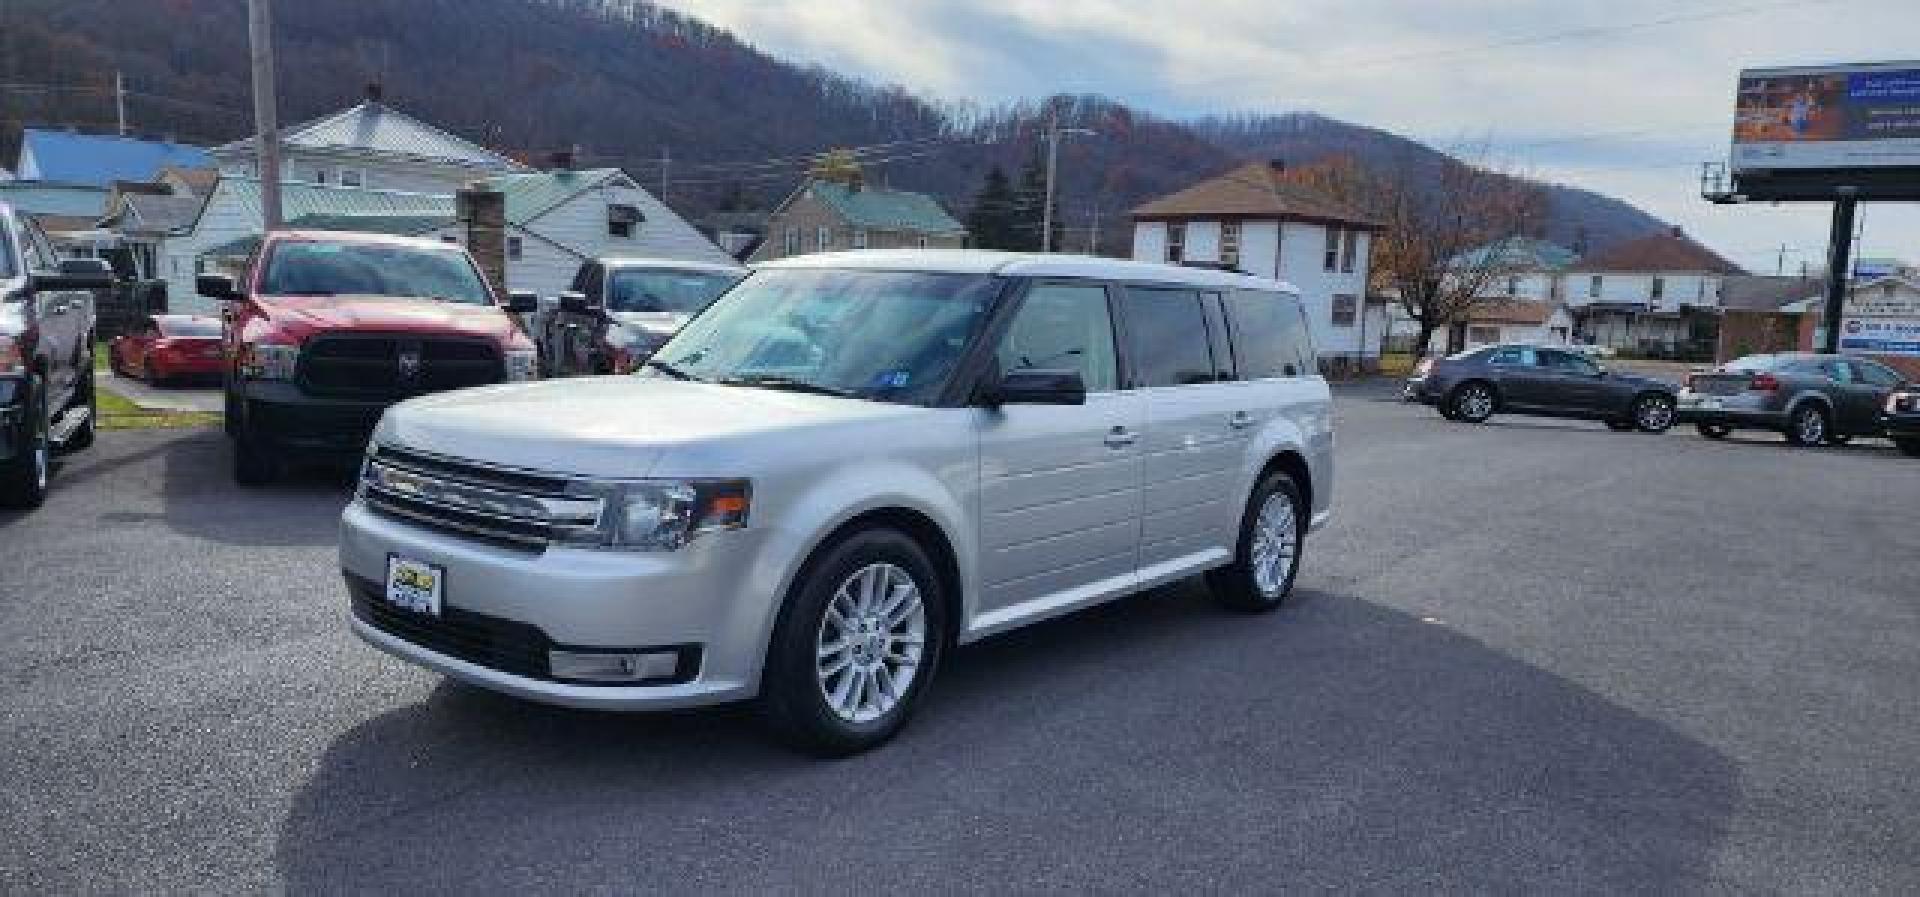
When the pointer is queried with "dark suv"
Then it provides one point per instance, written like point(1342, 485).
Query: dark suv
point(619, 310)
point(327, 329)
point(1810, 398)
point(1542, 380)
point(46, 357)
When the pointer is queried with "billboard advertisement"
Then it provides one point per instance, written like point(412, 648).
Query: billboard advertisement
point(1828, 117)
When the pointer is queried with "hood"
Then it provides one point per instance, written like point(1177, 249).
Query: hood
point(301, 317)
point(618, 426)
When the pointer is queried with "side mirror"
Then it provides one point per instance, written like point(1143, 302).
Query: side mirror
point(523, 302)
point(576, 302)
point(75, 274)
point(216, 286)
point(1034, 386)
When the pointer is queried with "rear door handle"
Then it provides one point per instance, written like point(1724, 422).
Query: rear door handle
point(1240, 420)
point(1120, 437)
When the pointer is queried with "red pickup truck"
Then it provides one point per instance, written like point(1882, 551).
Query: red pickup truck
point(326, 329)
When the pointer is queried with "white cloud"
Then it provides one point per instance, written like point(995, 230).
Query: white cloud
point(1435, 71)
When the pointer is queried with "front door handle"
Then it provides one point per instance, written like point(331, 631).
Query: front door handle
point(1120, 437)
point(1240, 420)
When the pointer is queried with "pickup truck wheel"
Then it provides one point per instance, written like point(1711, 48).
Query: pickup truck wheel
point(23, 477)
point(1908, 446)
point(1272, 536)
point(253, 465)
point(1807, 426)
point(1714, 431)
point(858, 642)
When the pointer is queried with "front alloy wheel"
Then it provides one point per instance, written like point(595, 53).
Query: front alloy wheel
point(1653, 413)
point(1808, 426)
point(871, 640)
point(1473, 403)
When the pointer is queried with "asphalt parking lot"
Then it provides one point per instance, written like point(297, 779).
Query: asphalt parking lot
point(1533, 655)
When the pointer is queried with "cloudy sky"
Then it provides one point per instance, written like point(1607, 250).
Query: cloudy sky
point(1626, 97)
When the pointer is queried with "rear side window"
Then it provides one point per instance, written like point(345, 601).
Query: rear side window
point(1167, 337)
point(1269, 335)
point(1876, 374)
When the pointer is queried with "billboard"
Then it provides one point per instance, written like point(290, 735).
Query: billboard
point(1828, 117)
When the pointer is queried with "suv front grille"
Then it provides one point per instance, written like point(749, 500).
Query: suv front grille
point(518, 508)
point(395, 366)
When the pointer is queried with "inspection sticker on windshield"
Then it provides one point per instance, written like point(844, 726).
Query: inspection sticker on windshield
point(890, 379)
point(415, 585)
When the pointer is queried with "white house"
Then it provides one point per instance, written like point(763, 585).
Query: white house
point(1658, 294)
point(374, 146)
point(1255, 220)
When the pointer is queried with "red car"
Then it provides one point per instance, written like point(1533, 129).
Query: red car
point(166, 348)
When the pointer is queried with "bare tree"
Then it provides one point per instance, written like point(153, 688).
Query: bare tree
point(1439, 216)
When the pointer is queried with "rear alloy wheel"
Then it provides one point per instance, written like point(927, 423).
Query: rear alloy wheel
point(1808, 425)
point(857, 644)
point(1714, 431)
point(1653, 413)
point(1272, 537)
point(1473, 403)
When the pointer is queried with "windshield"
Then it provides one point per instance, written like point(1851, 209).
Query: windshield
point(886, 336)
point(683, 292)
point(373, 269)
point(189, 326)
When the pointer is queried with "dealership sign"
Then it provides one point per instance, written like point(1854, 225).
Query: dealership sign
point(1881, 336)
point(1828, 117)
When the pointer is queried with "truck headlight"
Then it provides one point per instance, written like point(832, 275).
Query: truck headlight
point(658, 514)
point(522, 364)
point(268, 361)
point(13, 361)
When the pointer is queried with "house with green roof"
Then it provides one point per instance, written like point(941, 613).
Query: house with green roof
point(824, 215)
point(556, 220)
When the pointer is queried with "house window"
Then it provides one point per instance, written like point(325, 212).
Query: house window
point(320, 176)
point(1513, 286)
point(923, 241)
point(350, 177)
point(1483, 335)
point(822, 238)
point(1331, 261)
point(859, 238)
point(514, 247)
point(1700, 291)
point(1344, 309)
point(1176, 242)
point(1593, 287)
point(1659, 288)
point(793, 241)
point(1230, 244)
point(622, 219)
point(1349, 251)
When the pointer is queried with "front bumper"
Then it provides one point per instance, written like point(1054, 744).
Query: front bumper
point(1419, 389)
point(278, 415)
point(511, 604)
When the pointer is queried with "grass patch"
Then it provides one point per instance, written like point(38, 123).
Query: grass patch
point(100, 356)
point(117, 413)
point(1396, 364)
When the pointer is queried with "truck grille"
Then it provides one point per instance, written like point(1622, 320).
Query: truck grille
point(522, 509)
point(364, 366)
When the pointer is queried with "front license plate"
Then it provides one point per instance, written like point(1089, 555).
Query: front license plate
point(415, 585)
point(1710, 403)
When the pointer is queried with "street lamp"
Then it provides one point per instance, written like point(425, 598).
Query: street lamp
point(1053, 135)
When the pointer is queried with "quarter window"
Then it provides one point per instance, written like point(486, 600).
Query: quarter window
point(1269, 335)
point(1063, 327)
point(1167, 337)
point(1876, 374)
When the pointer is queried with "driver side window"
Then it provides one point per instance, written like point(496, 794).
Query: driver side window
point(1063, 327)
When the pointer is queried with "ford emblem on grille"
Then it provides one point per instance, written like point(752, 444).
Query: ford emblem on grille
point(409, 362)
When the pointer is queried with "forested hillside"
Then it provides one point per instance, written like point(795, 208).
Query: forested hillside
point(626, 82)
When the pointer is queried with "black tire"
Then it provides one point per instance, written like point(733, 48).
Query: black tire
point(794, 699)
point(24, 477)
point(1908, 446)
point(1808, 425)
point(1473, 401)
point(254, 464)
point(1653, 412)
point(82, 438)
point(1714, 431)
point(1237, 586)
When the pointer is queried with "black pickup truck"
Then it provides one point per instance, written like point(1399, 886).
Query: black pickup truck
point(46, 357)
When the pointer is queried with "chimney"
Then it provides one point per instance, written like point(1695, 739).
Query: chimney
point(374, 92)
point(483, 212)
point(1278, 165)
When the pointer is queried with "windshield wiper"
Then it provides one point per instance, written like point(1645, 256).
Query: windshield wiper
point(670, 370)
point(775, 381)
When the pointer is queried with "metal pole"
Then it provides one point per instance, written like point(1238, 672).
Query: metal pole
point(665, 160)
point(266, 129)
point(1093, 233)
point(120, 102)
point(1839, 251)
point(1053, 163)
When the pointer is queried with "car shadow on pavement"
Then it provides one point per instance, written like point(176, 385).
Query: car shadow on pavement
point(200, 498)
point(1151, 743)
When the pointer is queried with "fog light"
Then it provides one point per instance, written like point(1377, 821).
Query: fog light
point(613, 667)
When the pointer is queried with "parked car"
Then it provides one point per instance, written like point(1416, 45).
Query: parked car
point(46, 357)
point(1810, 398)
point(1901, 419)
point(845, 466)
point(1552, 381)
point(168, 348)
point(620, 310)
point(327, 329)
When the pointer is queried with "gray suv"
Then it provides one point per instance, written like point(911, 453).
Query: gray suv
point(845, 466)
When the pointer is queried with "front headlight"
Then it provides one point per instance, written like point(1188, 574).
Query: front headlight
point(658, 514)
point(13, 361)
point(268, 361)
point(522, 364)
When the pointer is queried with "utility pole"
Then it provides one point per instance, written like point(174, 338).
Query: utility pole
point(1093, 232)
point(1839, 252)
point(266, 129)
point(1053, 163)
point(120, 102)
point(665, 161)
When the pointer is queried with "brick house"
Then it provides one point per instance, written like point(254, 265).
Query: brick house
point(824, 215)
point(1755, 316)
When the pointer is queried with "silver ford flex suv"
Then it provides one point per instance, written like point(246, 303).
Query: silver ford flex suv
point(845, 466)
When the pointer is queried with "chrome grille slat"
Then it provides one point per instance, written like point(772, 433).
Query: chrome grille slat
point(523, 508)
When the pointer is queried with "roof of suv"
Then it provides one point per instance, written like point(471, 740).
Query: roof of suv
point(1024, 264)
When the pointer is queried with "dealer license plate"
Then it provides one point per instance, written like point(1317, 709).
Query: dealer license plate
point(415, 585)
